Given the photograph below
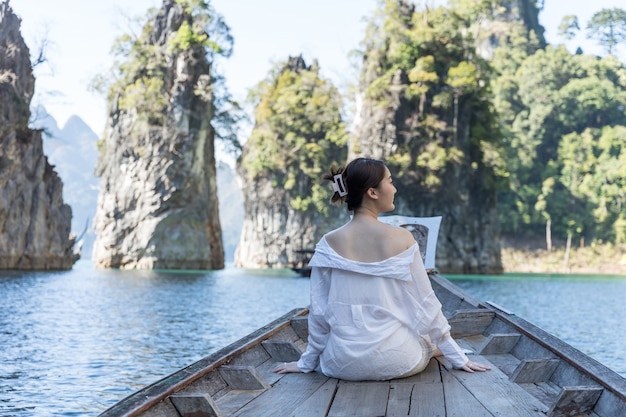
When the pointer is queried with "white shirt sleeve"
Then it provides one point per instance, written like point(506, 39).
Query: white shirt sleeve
point(429, 317)
point(318, 326)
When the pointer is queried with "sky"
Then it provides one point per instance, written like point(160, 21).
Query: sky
point(80, 34)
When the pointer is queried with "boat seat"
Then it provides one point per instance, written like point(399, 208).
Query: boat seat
point(282, 351)
point(243, 377)
point(534, 370)
point(300, 325)
point(195, 404)
point(575, 400)
point(470, 322)
point(498, 343)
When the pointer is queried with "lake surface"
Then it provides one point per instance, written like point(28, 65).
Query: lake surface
point(74, 343)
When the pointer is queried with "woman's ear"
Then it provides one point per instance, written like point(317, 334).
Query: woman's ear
point(372, 193)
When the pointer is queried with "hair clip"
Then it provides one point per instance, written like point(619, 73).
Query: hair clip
point(338, 185)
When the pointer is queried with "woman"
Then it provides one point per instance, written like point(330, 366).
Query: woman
point(373, 313)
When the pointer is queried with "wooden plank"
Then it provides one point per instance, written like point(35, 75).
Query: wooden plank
point(416, 400)
point(430, 374)
point(498, 394)
point(459, 401)
point(284, 397)
point(285, 351)
point(399, 402)
point(534, 370)
point(574, 401)
point(360, 399)
point(195, 405)
point(319, 402)
point(243, 377)
point(265, 372)
point(498, 343)
point(234, 400)
point(470, 322)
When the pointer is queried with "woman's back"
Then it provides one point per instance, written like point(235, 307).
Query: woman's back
point(369, 240)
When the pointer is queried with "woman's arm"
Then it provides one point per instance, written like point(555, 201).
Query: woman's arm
point(318, 327)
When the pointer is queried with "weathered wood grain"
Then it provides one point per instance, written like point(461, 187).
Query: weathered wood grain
point(284, 397)
point(574, 401)
point(498, 343)
point(498, 394)
point(360, 399)
point(195, 405)
point(319, 402)
point(534, 370)
point(243, 377)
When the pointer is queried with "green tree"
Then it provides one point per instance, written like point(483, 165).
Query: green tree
point(608, 27)
point(551, 94)
point(298, 133)
point(569, 27)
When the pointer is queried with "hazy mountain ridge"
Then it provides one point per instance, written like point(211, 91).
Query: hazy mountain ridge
point(73, 151)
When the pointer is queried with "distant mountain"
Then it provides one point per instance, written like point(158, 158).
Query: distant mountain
point(73, 152)
point(231, 208)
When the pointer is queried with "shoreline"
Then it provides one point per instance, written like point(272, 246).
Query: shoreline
point(605, 259)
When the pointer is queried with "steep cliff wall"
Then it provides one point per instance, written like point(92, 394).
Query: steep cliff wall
point(297, 136)
point(158, 205)
point(35, 224)
point(423, 106)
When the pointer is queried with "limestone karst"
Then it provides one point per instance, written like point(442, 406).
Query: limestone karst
point(158, 207)
point(35, 223)
point(298, 135)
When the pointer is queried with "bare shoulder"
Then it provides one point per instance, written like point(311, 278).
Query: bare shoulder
point(400, 235)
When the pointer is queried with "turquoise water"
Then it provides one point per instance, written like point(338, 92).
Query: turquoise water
point(73, 343)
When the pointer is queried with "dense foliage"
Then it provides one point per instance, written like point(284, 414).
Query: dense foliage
point(298, 133)
point(445, 122)
point(548, 123)
point(554, 109)
point(139, 76)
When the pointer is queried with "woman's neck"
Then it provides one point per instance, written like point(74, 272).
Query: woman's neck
point(366, 213)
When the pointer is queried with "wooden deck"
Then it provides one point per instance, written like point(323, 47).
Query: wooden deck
point(438, 391)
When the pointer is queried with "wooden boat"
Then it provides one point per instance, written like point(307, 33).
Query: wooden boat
point(534, 374)
point(301, 266)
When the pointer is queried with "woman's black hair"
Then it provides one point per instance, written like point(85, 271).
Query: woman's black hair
point(359, 175)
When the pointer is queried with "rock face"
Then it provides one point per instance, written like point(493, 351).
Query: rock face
point(157, 206)
point(429, 140)
point(35, 224)
point(508, 17)
point(276, 225)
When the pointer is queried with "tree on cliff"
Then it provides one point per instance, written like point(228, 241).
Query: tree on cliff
point(608, 27)
point(427, 109)
point(157, 206)
point(298, 134)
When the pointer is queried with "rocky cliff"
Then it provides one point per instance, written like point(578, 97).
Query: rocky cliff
point(298, 135)
point(34, 222)
point(157, 206)
point(423, 108)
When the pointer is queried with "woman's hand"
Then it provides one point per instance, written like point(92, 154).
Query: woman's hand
point(475, 367)
point(286, 367)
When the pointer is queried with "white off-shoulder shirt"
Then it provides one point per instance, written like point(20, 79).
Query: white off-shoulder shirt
point(366, 318)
